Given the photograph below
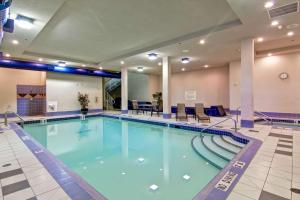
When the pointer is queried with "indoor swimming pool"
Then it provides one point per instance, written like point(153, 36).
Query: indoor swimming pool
point(132, 160)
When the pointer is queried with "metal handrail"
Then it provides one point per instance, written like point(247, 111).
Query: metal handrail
point(237, 113)
point(10, 112)
point(264, 116)
point(220, 122)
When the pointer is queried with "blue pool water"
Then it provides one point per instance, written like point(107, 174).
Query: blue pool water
point(122, 159)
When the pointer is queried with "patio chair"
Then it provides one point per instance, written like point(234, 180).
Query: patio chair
point(199, 113)
point(181, 113)
point(156, 107)
point(135, 106)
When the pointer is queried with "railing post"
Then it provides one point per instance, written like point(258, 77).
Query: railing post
point(5, 119)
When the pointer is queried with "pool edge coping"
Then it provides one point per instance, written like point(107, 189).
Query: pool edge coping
point(65, 177)
point(208, 192)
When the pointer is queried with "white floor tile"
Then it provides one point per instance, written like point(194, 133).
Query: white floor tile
point(283, 192)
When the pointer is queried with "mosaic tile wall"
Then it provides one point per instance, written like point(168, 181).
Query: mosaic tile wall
point(31, 100)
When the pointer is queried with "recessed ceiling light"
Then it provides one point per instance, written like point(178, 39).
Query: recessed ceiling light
point(61, 64)
point(15, 41)
point(152, 56)
point(260, 39)
point(270, 54)
point(202, 41)
point(159, 64)
point(279, 27)
point(206, 66)
point(122, 62)
point(83, 65)
point(291, 33)
point(7, 55)
point(40, 59)
point(100, 68)
point(24, 22)
point(185, 60)
point(140, 69)
point(183, 69)
point(269, 4)
point(274, 23)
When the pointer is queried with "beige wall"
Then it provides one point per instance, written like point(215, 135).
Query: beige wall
point(211, 86)
point(142, 86)
point(64, 89)
point(9, 79)
point(271, 94)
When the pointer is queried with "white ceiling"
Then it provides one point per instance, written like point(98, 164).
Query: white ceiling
point(101, 31)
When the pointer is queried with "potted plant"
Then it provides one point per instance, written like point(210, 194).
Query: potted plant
point(84, 102)
point(158, 97)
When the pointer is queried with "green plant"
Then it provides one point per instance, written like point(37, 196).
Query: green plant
point(157, 96)
point(83, 100)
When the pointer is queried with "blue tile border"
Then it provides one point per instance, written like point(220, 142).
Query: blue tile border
point(71, 183)
point(208, 193)
point(73, 112)
point(273, 114)
point(247, 123)
point(124, 111)
point(167, 115)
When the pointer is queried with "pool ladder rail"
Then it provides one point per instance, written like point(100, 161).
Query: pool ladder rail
point(256, 113)
point(22, 121)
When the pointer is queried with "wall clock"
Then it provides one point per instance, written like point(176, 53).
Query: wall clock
point(283, 76)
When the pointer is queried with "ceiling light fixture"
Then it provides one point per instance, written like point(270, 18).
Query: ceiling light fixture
point(274, 23)
point(152, 56)
point(269, 4)
point(159, 64)
point(140, 69)
point(279, 27)
point(291, 33)
point(122, 62)
point(7, 55)
point(24, 22)
point(183, 69)
point(40, 59)
point(185, 60)
point(83, 65)
point(206, 66)
point(15, 41)
point(61, 64)
point(100, 68)
point(270, 54)
point(260, 39)
point(202, 42)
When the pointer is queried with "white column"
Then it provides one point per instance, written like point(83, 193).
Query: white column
point(166, 92)
point(124, 90)
point(247, 64)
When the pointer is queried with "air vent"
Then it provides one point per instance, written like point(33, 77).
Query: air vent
point(284, 10)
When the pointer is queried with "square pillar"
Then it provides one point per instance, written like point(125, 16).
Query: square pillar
point(247, 64)
point(124, 90)
point(166, 92)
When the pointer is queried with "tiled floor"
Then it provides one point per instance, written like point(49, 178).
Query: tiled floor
point(22, 176)
point(270, 176)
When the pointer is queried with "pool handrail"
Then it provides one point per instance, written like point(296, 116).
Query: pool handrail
point(264, 116)
point(11, 112)
point(220, 122)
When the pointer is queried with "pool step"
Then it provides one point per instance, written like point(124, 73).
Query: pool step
point(211, 146)
point(225, 145)
point(232, 141)
point(211, 157)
